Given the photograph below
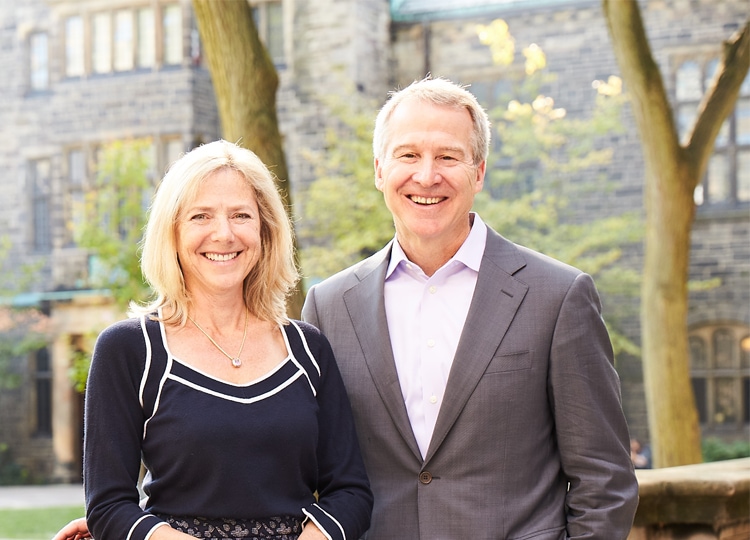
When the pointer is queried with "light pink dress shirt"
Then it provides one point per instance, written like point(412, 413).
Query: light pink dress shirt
point(426, 316)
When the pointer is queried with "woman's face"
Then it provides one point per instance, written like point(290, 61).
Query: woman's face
point(218, 235)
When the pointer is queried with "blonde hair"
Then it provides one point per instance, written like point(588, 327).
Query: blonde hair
point(440, 92)
point(270, 281)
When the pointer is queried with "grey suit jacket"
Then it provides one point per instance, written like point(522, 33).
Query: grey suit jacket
point(531, 440)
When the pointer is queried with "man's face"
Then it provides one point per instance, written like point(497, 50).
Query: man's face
point(427, 173)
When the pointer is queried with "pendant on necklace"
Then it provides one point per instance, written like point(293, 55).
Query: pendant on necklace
point(236, 362)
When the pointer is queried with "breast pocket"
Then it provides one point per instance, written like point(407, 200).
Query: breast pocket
point(507, 362)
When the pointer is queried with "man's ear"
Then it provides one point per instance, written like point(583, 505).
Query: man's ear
point(479, 182)
point(378, 175)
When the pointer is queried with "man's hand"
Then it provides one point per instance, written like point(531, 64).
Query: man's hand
point(310, 532)
point(75, 530)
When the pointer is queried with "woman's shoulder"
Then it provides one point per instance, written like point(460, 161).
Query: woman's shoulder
point(307, 340)
point(127, 332)
point(309, 333)
point(123, 348)
point(306, 328)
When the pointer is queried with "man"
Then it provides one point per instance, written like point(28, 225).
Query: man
point(480, 372)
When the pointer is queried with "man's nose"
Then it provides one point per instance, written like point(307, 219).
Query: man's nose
point(427, 173)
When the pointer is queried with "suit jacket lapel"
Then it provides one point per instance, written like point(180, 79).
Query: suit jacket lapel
point(496, 299)
point(365, 304)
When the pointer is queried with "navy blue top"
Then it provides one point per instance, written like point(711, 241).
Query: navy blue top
point(215, 449)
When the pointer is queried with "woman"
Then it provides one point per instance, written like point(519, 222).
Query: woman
point(238, 414)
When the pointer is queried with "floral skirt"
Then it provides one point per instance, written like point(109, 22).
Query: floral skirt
point(276, 528)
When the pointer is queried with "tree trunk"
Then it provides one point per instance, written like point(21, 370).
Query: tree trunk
point(245, 83)
point(672, 174)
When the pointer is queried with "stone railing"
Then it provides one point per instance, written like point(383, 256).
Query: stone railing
point(709, 501)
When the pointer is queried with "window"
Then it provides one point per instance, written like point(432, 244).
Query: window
point(40, 179)
point(123, 40)
point(123, 47)
point(76, 188)
point(172, 27)
point(146, 45)
point(720, 373)
point(101, 46)
point(74, 52)
point(727, 180)
point(269, 21)
point(43, 391)
point(39, 61)
point(173, 150)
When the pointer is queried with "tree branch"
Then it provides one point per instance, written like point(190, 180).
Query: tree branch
point(653, 113)
point(720, 99)
point(235, 56)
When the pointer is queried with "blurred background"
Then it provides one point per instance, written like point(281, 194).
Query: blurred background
point(98, 97)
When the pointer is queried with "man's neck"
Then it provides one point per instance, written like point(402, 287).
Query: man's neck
point(432, 253)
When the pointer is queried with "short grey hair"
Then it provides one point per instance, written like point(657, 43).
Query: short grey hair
point(442, 92)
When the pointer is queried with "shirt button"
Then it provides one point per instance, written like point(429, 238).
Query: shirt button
point(433, 289)
point(430, 342)
point(425, 477)
point(433, 399)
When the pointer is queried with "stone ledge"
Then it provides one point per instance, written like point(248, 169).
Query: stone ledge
point(714, 495)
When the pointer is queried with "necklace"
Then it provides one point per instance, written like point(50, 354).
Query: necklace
point(236, 362)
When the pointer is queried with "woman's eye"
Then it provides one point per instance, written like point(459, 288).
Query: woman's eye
point(199, 217)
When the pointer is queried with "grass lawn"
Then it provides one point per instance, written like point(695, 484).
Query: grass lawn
point(36, 523)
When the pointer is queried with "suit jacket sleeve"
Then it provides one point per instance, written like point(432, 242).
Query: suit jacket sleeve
point(592, 434)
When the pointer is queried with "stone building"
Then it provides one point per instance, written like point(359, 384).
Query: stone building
point(81, 73)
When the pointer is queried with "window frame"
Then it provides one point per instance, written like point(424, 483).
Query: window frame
point(43, 403)
point(40, 200)
point(727, 147)
point(707, 379)
point(123, 40)
point(75, 47)
point(101, 58)
point(276, 45)
point(145, 44)
point(177, 35)
point(39, 72)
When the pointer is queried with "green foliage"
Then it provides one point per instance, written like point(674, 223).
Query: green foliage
point(114, 214)
point(343, 217)
point(541, 160)
point(11, 473)
point(22, 330)
point(715, 449)
point(80, 364)
point(12, 278)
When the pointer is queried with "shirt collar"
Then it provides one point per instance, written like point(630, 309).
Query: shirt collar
point(470, 253)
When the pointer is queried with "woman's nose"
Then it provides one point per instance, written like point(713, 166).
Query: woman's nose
point(223, 228)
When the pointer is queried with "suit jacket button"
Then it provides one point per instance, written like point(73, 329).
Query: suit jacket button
point(425, 477)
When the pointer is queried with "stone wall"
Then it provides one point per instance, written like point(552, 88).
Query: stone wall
point(710, 501)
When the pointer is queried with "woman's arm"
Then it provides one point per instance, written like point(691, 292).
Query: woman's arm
point(345, 500)
point(113, 436)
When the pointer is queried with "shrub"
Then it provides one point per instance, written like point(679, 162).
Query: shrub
point(715, 449)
